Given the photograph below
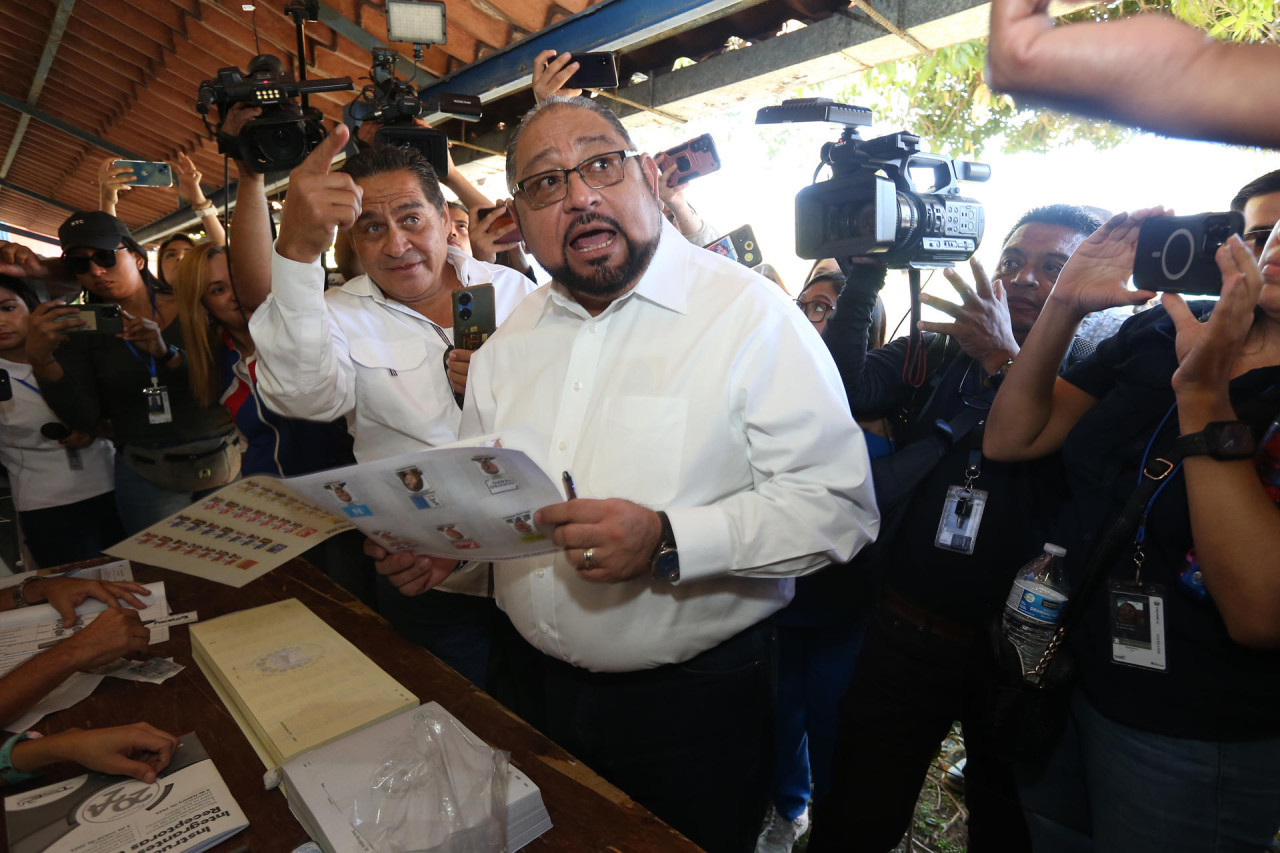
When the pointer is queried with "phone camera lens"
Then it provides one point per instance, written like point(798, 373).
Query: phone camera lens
point(464, 314)
point(464, 299)
point(682, 163)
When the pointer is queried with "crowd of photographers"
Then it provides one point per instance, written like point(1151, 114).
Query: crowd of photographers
point(701, 657)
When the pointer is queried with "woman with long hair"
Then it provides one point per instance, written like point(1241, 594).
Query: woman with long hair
point(171, 446)
point(62, 478)
point(222, 369)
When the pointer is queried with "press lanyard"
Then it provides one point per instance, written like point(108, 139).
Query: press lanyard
point(1140, 535)
point(150, 362)
point(29, 385)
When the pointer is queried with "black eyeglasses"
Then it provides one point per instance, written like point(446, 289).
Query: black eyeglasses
point(1257, 238)
point(79, 264)
point(598, 172)
point(816, 310)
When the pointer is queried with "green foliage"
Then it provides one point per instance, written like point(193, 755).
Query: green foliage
point(944, 99)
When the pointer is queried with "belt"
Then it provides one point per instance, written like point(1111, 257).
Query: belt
point(925, 620)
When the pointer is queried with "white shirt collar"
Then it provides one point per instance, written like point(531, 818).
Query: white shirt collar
point(663, 282)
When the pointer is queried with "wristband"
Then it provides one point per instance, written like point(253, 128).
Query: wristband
point(7, 773)
point(204, 209)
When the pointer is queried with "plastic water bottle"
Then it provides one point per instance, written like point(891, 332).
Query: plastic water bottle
point(1035, 602)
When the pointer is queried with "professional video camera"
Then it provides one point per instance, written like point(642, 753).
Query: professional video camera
point(870, 207)
point(286, 132)
point(394, 104)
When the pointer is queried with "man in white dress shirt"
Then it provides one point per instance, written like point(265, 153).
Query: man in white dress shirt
point(373, 351)
point(714, 457)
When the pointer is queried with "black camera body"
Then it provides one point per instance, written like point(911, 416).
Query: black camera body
point(1175, 254)
point(285, 133)
point(870, 207)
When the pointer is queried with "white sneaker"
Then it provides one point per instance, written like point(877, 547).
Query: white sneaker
point(779, 834)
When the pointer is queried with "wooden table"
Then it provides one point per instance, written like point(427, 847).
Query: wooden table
point(588, 813)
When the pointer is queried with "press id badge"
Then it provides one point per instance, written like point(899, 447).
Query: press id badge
point(1137, 625)
point(961, 515)
point(157, 401)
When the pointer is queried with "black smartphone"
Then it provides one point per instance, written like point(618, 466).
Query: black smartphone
point(595, 71)
point(6, 387)
point(474, 319)
point(148, 173)
point(504, 225)
point(1175, 253)
point(739, 245)
point(693, 158)
point(99, 319)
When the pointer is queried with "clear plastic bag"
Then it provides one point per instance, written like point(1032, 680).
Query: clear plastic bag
point(445, 791)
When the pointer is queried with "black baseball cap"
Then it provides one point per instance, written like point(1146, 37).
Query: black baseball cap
point(93, 229)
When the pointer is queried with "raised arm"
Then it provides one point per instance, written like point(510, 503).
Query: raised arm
point(1236, 527)
point(189, 190)
point(1147, 70)
point(250, 223)
point(1034, 410)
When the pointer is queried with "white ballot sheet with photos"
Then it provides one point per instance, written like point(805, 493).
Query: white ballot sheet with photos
point(470, 503)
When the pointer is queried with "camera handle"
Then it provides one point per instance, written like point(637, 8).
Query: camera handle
point(915, 368)
point(301, 11)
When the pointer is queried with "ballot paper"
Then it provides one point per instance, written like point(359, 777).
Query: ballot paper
point(27, 631)
point(467, 503)
point(77, 687)
point(290, 681)
point(187, 809)
point(117, 570)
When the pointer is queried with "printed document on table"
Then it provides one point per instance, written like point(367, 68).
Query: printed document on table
point(469, 503)
point(27, 631)
point(234, 536)
point(188, 808)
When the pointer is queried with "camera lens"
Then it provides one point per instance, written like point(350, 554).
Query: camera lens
point(464, 313)
point(682, 163)
point(464, 298)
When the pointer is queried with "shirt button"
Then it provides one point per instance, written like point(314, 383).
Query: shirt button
point(592, 328)
point(541, 573)
point(544, 628)
point(563, 446)
point(577, 386)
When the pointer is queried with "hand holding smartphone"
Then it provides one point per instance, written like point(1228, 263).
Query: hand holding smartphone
point(692, 159)
point(147, 173)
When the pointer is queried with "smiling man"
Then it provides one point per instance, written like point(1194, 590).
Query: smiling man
point(373, 350)
point(715, 459)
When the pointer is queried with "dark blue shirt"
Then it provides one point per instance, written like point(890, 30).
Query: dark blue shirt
point(1214, 689)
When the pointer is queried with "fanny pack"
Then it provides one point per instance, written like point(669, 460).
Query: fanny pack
point(191, 467)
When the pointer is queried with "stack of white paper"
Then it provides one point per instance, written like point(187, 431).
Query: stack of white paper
point(323, 785)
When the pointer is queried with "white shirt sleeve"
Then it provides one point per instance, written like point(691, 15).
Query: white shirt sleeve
point(304, 360)
point(812, 493)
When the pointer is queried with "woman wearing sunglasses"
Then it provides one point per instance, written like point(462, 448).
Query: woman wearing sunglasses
point(133, 374)
point(62, 479)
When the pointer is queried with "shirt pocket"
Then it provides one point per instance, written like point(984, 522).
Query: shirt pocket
point(399, 355)
point(639, 450)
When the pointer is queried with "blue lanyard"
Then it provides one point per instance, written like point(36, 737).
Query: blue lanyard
point(28, 384)
point(151, 361)
point(1141, 535)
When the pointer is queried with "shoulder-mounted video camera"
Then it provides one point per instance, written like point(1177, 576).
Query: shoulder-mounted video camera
point(870, 207)
point(394, 104)
point(282, 136)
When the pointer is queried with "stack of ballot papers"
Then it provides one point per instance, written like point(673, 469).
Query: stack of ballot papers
point(324, 785)
point(290, 681)
point(187, 809)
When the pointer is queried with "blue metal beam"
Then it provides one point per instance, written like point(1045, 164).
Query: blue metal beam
point(65, 127)
point(31, 235)
point(10, 185)
point(608, 25)
point(56, 29)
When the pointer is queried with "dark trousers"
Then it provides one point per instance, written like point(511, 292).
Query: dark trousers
point(78, 531)
point(691, 742)
point(454, 627)
point(908, 687)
